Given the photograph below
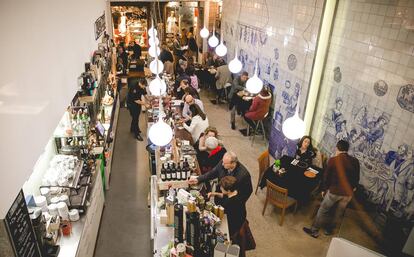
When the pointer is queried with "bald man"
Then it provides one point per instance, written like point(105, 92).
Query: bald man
point(189, 100)
point(229, 166)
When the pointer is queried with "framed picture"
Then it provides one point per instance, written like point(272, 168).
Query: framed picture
point(100, 26)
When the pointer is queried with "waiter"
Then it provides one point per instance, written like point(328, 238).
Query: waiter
point(135, 100)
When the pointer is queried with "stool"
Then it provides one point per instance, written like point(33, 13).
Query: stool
point(258, 123)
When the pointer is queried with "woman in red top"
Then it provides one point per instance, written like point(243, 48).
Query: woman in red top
point(259, 107)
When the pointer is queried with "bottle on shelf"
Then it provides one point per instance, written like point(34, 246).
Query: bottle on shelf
point(163, 172)
point(168, 173)
point(174, 172)
point(178, 223)
point(183, 172)
point(178, 171)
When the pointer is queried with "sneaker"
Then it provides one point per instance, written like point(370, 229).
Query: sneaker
point(139, 138)
point(310, 232)
point(233, 125)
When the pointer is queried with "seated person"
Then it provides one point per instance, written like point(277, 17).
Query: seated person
point(239, 84)
point(223, 77)
point(183, 85)
point(234, 205)
point(209, 132)
point(193, 78)
point(213, 156)
point(199, 122)
point(188, 101)
point(259, 107)
point(181, 75)
point(305, 151)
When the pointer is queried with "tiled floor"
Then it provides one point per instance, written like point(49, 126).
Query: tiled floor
point(125, 224)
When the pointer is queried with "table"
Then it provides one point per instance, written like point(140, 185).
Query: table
point(298, 185)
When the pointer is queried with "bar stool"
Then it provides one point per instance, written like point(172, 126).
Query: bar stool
point(259, 123)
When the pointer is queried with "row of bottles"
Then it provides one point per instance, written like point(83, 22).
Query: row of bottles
point(200, 235)
point(175, 172)
point(80, 122)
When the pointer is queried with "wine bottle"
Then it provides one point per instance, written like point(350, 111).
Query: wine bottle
point(183, 172)
point(178, 223)
point(174, 172)
point(168, 173)
point(163, 171)
point(179, 171)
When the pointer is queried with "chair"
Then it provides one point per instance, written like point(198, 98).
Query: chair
point(259, 123)
point(264, 163)
point(278, 196)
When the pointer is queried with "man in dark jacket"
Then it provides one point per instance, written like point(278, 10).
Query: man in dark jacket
point(229, 166)
point(239, 84)
point(340, 180)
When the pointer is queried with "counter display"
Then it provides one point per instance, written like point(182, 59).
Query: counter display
point(65, 196)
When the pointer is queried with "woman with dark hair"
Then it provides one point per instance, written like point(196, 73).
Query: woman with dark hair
point(199, 122)
point(305, 151)
point(235, 208)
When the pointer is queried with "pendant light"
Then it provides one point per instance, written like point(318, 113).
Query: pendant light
point(157, 86)
point(159, 133)
point(152, 32)
point(204, 32)
point(235, 65)
point(213, 40)
point(221, 49)
point(153, 41)
point(294, 127)
point(154, 51)
point(254, 84)
point(156, 69)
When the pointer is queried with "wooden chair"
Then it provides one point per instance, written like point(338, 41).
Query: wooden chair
point(264, 163)
point(278, 196)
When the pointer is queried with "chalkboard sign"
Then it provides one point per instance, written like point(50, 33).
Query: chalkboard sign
point(21, 230)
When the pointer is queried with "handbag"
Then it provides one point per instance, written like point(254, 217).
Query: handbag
point(244, 237)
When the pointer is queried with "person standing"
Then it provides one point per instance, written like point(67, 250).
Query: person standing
point(135, 100)
point(239, 84)
point(229, 166)
point(340, 180)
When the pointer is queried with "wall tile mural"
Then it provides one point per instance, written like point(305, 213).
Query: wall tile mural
point(277, 43)
point(367, 98)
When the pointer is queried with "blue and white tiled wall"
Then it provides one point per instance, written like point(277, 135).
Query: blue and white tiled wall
point(367, 97)
point(272, 32)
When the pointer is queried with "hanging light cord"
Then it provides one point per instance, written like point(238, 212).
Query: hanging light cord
point(307, 50)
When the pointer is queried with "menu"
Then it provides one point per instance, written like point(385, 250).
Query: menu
point(21, 230)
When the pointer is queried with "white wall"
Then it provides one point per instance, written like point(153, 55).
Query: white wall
point(44, 45)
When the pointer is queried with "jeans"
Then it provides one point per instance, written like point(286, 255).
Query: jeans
point(324, 218)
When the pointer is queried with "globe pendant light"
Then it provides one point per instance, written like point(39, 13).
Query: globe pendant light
point(157, 86)
point(156, 69)
point(254, 84)
point(160, 133)
point(213, 40)
point(153, 41)
point(294, 127)
point(152, 32)
point(221, 49)
point(154, 51)
point(235, 65)
point(204, 32)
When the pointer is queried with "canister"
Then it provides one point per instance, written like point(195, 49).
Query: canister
point(74, 215)
point(53, 209)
